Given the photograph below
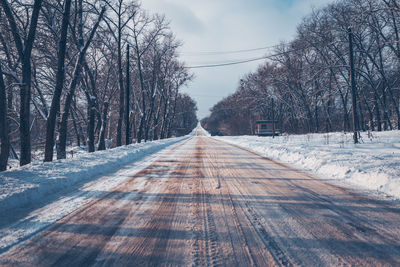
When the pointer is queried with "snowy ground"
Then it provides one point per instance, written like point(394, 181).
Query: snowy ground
point(28, 193)
point(38, 155)
point(373, 164)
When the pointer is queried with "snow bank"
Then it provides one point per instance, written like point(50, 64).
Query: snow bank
point(30, 183)
point(373, 164)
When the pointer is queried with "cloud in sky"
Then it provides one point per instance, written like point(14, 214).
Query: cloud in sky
point(227, 25)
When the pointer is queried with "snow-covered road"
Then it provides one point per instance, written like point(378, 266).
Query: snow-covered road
point(204, 202)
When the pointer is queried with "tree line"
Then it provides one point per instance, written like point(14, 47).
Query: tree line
point(87, 72)
point(306, 85)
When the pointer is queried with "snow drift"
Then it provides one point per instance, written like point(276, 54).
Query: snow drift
point(373, 164)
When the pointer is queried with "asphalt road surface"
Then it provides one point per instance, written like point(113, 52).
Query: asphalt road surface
point(208, 203)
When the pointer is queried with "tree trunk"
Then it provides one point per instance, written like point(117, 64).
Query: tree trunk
point(165, 118)
point(90, 131)
point(55, 103)
point(316, 118)
point(169, 133)
point(361, 121)
point(395, 105)
point(386, 121)
point(78, 138)
point(127, 98)
point(143, 115)
point(328, 123)
point(121, 87)
point(377, 112)
point(24, 120)
point(4, 137)
point(62, 131)
point(102, 143)
point(80, 129)
point(92, 109)
point(370, 114)
point(157, 117)
point(346, 121)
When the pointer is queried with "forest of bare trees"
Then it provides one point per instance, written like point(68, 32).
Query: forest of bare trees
point(305, 83)
point(64, 77)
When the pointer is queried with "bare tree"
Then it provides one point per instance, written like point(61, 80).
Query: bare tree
point(24, 49)
point(55, 103)
point(124, 13)
point(61, 148)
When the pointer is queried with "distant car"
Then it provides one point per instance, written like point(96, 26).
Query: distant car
point(215, 133)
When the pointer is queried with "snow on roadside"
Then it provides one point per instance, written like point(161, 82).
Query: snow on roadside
point(374, 164)
point(33, 182)
point(38, 155)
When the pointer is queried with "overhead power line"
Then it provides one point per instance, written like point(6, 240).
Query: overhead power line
point(212, 53)
point(241, 61)
point(223, 64)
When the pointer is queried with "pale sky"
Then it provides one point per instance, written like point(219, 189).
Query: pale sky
point(228, 25)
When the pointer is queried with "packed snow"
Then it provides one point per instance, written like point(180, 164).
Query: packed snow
point(373, 164)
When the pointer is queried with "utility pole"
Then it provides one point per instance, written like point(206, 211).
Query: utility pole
point(127, 135)
point(353, 87)
point(273, 118)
